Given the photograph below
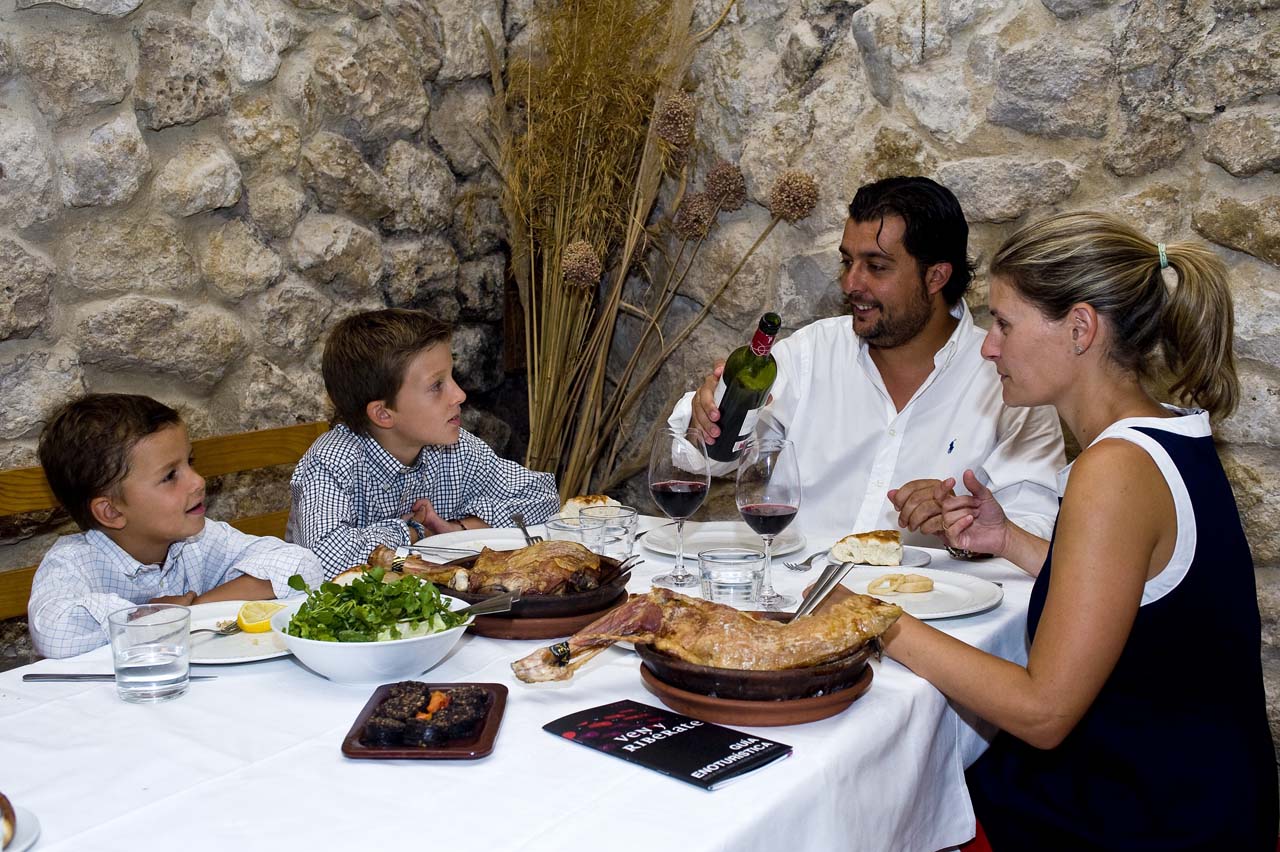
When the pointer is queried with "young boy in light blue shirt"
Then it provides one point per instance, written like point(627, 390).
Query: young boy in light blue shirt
point(121, 466)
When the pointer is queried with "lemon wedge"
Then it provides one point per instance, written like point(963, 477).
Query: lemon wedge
point(255, 616)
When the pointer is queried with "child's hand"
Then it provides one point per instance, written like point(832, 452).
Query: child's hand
point(182, 600)
point(425, 514)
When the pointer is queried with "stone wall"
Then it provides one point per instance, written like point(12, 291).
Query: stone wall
point(1165, 113)
point(192, 194)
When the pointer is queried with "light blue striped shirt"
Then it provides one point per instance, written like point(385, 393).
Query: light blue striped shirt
point(85, 577)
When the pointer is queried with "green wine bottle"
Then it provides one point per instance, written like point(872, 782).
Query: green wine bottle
point(743, 388)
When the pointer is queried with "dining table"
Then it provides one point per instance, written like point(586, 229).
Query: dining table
point(252, 760)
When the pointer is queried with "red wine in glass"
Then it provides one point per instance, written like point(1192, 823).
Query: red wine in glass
point(678, 498)
point(768, 495)
point(768, 518)
point(679, 477)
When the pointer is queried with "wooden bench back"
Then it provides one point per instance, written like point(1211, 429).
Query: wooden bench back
point(26, 490)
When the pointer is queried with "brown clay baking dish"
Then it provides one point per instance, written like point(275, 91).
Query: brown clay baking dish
point(612, 581)
point(739, 684)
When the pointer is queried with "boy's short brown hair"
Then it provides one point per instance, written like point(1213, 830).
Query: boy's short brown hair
point(366, 356)
point(84, 449)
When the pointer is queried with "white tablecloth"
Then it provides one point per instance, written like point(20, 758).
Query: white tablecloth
point(251, 761)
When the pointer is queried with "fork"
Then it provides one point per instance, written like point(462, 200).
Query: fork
point(806, 564)
point(224, 628)
point(518, 519)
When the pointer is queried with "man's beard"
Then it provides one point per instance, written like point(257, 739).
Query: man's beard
point(895, 329)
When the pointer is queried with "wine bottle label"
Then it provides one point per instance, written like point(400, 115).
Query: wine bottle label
point(748, 429)
point(761, 343)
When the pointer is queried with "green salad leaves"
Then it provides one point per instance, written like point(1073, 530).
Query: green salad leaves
point(370, 610)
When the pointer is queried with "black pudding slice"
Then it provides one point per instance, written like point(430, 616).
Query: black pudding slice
point(402, 707)
point(383, 731)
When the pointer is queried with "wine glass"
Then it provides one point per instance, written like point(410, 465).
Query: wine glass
point(679, 476)
point(768, 494)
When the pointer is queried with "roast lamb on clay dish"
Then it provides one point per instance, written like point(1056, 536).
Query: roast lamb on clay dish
point(711, 634)
point(545, 568)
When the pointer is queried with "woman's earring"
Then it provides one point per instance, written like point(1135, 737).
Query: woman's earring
point(1079, 349)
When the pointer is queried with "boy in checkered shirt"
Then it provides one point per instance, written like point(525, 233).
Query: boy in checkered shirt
point(397, 465)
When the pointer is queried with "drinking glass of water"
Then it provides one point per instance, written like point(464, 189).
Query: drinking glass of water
point(731, 575)
point(151, 651)
point(768, 495)
point(619, 529)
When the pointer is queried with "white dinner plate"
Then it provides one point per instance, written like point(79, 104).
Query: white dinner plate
point(912, 557)
point(212, 649)
point(25, 831)
point(953, 593)
point(711, 534)
point(471, 540)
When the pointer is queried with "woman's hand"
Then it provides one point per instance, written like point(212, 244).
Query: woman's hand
point(972, 521)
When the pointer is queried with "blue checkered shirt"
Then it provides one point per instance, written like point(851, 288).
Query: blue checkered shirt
point(86, 577)
point(350, 494)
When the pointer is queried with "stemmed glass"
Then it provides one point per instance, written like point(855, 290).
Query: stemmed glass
point(679, 476)
point(768, 495)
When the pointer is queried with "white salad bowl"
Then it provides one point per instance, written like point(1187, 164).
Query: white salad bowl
point(369, 662)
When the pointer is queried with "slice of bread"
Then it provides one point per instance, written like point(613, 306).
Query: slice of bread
point(878, 547)
point(8, 822)
point(577, 504)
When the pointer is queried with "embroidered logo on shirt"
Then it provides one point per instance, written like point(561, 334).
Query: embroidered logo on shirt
point(951, 446)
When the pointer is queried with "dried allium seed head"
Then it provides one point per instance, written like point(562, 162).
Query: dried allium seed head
point(674, 120)
point(726, 185)
point(794, 196)
point(694, 218)
point(580, 264)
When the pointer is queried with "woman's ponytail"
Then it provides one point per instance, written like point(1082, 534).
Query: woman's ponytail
point(1197, 330)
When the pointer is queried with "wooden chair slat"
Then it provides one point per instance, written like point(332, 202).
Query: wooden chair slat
point(272, 523)
point(15, 589)
point(252, 450)
point(24, 490)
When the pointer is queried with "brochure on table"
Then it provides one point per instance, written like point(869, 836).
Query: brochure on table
point(689, 749)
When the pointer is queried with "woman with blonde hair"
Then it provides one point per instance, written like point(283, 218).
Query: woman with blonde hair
point(1139, 721)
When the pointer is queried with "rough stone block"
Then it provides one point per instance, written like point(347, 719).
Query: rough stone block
point(236, 264)
point(104, 166)
point(997, 189)
point(260, 134)
point(421, 188)
point(1251, 225)
point(128, 256)
point(339, 252)
point(1245, 141)
point(32, 384)
point(26, 277)
point(373, 88)
point(202, 176)
point(28, 189)
point(1053, 86)
point(181, 74)
point(275, 203)
point(291, 315)
point(146, 335)
point(73, 72)
point(334, 169)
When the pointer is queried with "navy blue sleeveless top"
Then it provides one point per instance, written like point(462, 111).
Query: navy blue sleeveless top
point(1175, 753)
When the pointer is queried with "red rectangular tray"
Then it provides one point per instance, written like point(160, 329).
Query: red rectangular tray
point(467, 748)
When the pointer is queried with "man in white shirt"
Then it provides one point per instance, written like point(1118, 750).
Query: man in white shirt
point(884, 404)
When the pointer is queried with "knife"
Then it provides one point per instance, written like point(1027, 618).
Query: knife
point(52, 677)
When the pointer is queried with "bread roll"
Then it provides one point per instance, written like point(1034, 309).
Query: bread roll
point(878, 547)
point(8, 822)
point(577, 504)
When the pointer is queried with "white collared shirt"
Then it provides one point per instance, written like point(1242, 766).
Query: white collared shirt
point(85, 577)
point(853, 445)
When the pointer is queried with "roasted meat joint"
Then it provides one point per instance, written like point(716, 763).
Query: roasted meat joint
point(716, 635)
point(545, 568)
